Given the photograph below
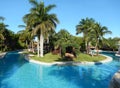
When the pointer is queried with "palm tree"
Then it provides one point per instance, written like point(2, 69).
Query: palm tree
point(41, 22)
point(1, 30)
point(98, 33)
point(26, 36)
point(2, 27)
point(112, 43)
point(1, 38)
point(63, 39)
point(85, 26)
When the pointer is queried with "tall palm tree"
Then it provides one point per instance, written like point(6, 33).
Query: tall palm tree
point(85, 26)
point(98, 33)
point(41, 21)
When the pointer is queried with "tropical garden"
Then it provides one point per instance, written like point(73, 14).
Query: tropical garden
point(40, 24)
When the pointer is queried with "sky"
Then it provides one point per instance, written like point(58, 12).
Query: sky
point(69, 13)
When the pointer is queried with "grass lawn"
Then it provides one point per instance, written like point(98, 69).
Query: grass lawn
point(86, 57)
point(81, 57)
point(47, 58)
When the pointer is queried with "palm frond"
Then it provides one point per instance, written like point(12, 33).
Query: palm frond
point(48, 8)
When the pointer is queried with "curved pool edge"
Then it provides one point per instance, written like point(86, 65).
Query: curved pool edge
point(2, 55)
point(108, 59)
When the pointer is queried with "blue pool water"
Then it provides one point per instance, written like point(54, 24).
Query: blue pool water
point(15, 72)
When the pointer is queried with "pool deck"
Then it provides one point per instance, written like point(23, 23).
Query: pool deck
point(108, 59)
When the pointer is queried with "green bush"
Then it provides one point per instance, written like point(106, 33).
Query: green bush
point(73, 45)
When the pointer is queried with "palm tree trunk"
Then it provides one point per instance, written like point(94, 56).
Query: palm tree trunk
point(96, 46)
point(26, 42)
point(41, 45)
point(32, 45)
point(86, 46)
point(38, 48)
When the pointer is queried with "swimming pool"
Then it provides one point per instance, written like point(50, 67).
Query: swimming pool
point(15, 72)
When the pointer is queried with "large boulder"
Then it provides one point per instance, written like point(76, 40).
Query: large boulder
point(115, 82)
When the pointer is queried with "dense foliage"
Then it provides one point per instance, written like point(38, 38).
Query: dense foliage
point(64, 39)
point(8, 39)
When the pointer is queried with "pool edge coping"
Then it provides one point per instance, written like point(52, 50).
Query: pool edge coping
point(2, 55)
